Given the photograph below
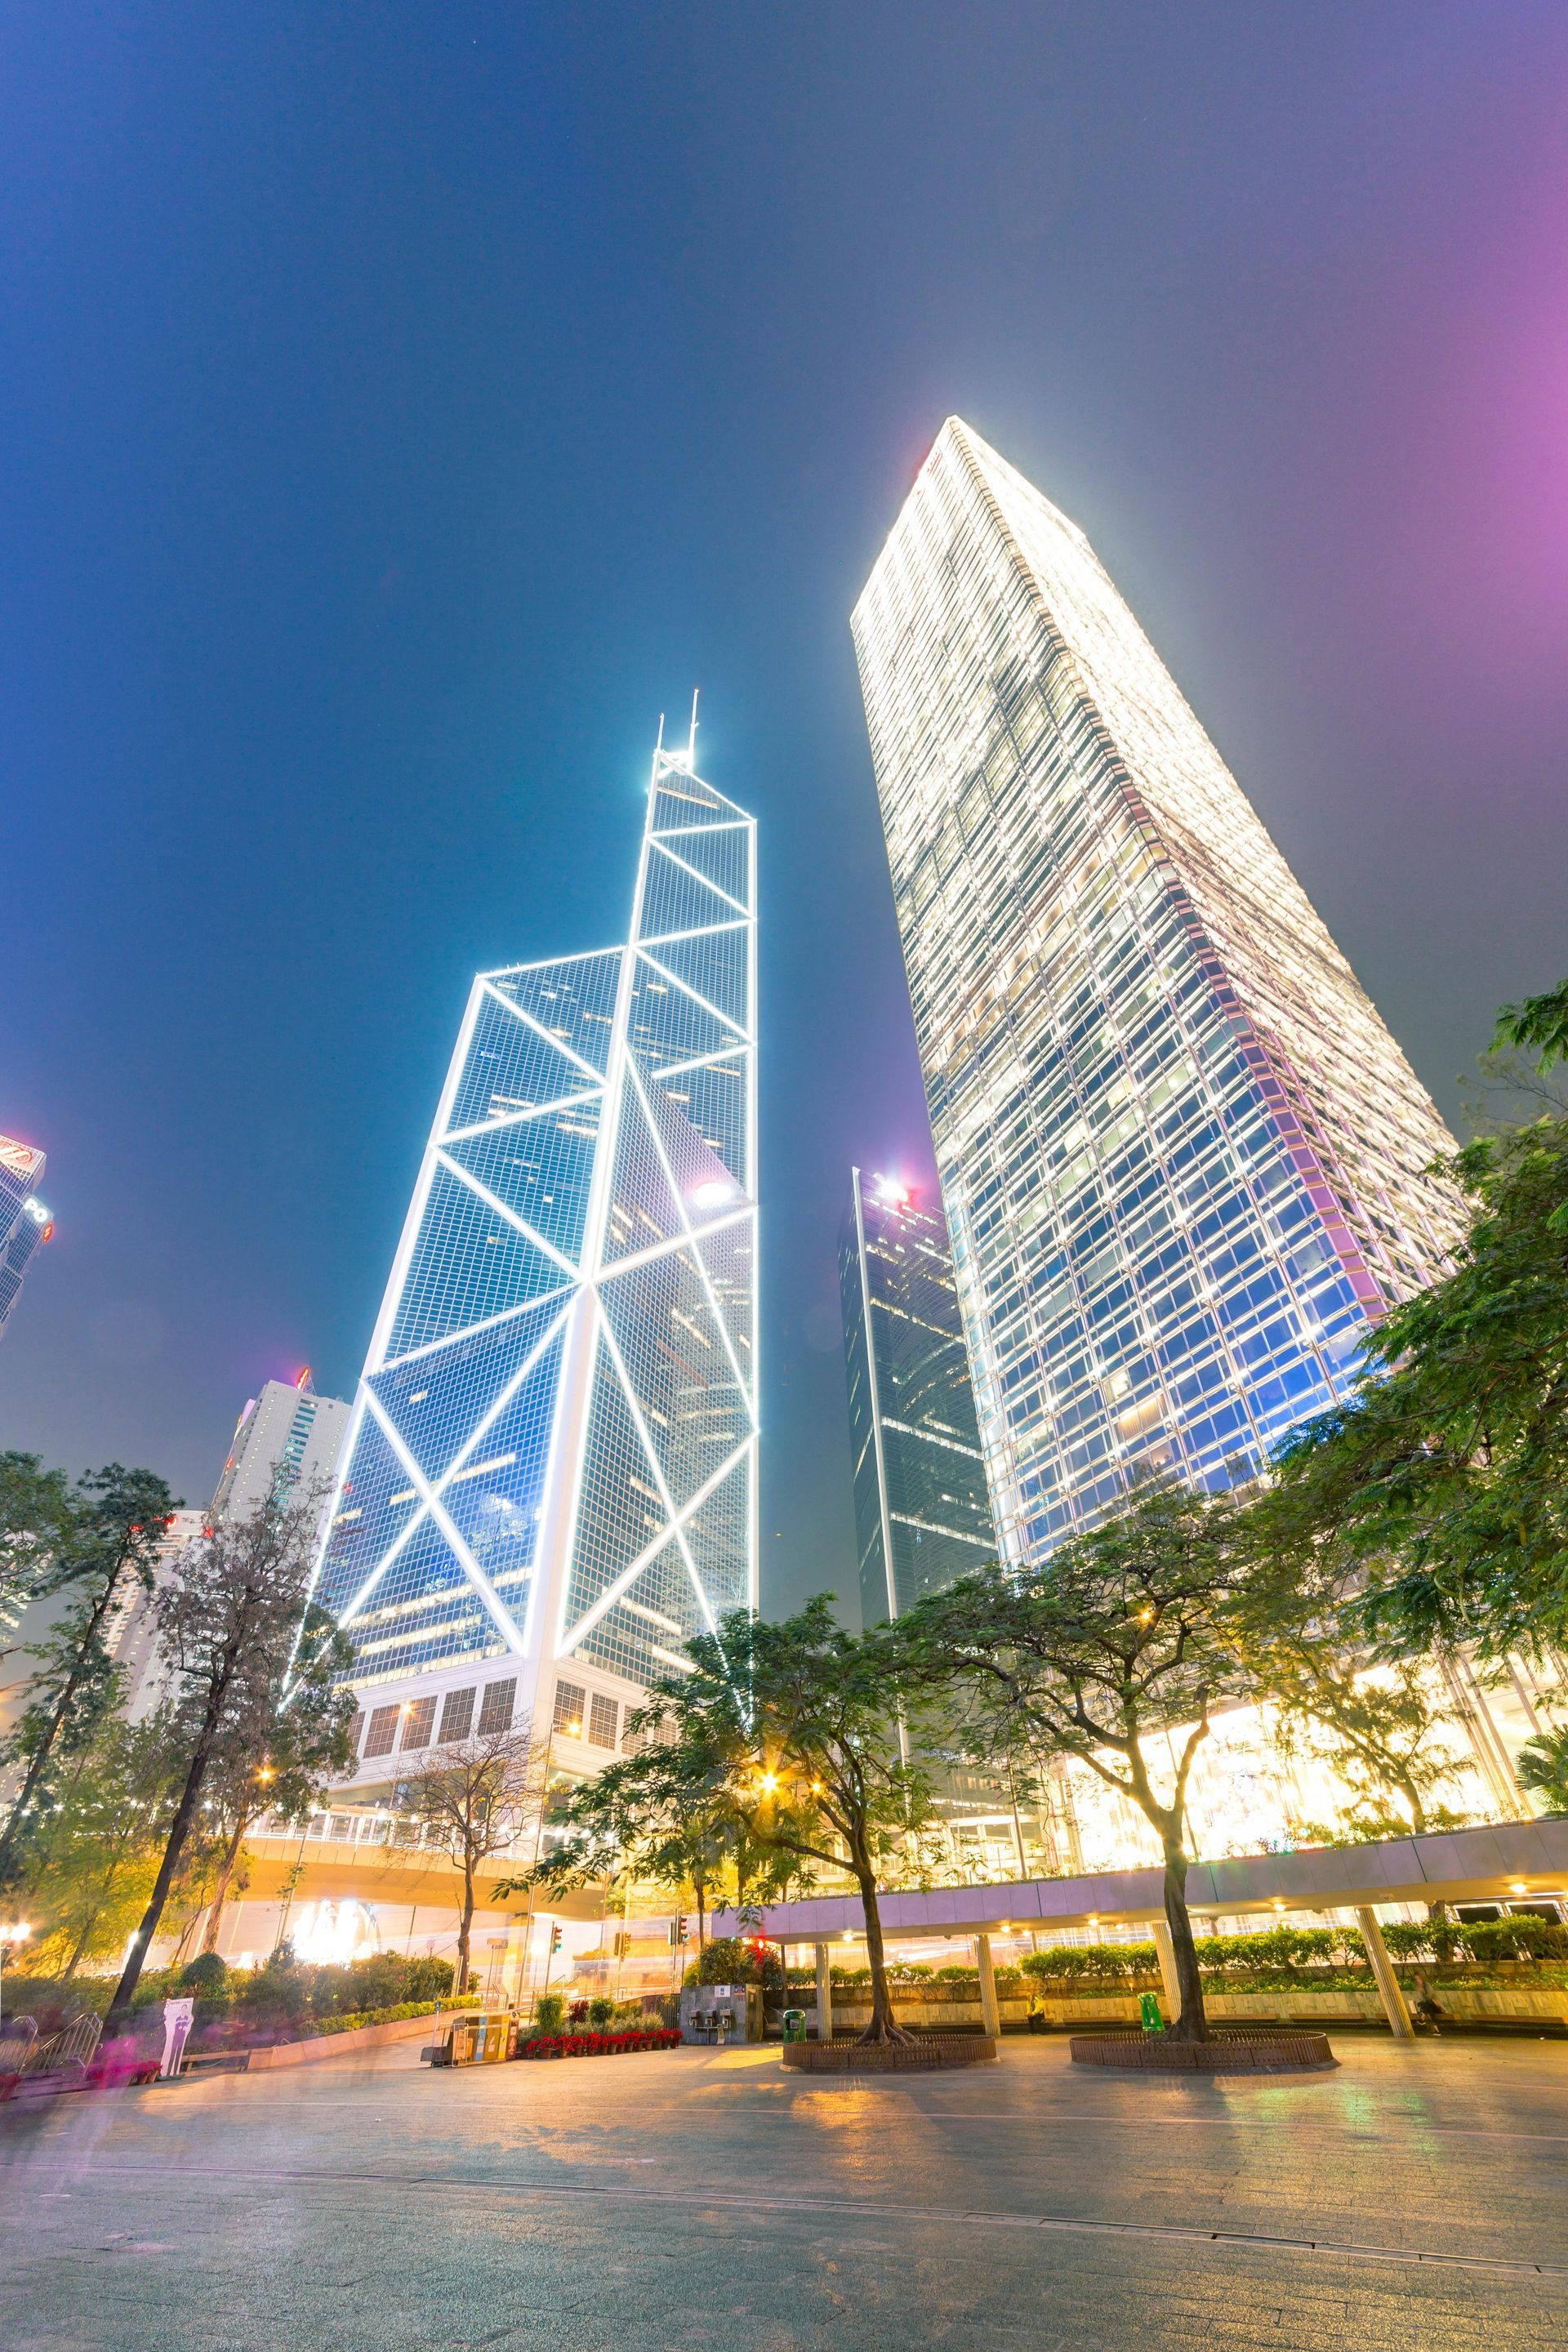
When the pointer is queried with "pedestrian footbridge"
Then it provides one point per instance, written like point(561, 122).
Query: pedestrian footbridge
point(1509, 1862)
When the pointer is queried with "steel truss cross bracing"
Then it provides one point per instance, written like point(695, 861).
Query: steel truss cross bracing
point(553, 1451)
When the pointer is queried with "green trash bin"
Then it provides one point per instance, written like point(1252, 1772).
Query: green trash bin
point(1149, 2012)
point(794, 2025)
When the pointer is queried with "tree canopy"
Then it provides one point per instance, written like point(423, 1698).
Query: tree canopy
point(783, 1748)
point(1442, 1482)
point(93, 1543)
point(241, 1651)
point(1129, 1630)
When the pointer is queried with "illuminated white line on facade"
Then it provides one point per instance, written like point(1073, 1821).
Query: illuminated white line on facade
point(571, 1317)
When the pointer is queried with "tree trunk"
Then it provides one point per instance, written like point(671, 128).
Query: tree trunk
point(1192, 2025)
point(700, 1884)
point(884, 2026)
point(465, 1925)
point(179, 1831)
point(80, 1944)
point(220, 1892)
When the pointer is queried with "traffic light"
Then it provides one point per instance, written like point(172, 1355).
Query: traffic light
point(555, 1936)
point(679, 1933)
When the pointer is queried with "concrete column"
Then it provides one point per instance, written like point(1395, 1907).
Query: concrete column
point(990, 2015)
point(1166, 1952)
point(1388, 1989)
point(825, 1992)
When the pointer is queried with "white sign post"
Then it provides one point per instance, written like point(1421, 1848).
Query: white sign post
point(177, 2015)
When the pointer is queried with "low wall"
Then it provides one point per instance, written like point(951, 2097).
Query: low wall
point(931, 2016)
point(1465, 2004)
point(342, 2045)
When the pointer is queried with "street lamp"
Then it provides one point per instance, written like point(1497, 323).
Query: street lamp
point(17, 1933)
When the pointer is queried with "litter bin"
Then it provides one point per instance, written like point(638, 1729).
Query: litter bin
point(794, 2025)
point(1149, 2013)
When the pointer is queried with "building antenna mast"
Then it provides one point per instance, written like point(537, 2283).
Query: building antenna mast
point(691, 738)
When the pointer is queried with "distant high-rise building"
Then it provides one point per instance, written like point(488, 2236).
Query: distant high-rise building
point(922, 1516)
point(552, 1476)
point(130, 1628)
point(24, 1220)
point(1183, 1161)
point(286, 1438)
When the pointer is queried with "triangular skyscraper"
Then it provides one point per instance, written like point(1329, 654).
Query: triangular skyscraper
point(552, 1472)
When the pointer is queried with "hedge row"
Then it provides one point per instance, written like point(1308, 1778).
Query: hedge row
point(1482, 1943)
point(351, 2019)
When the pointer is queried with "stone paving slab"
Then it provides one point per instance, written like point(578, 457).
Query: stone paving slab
point(692, 2199)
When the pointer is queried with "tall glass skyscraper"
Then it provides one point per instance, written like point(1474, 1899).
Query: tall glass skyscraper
point(1183, 1161)
point(552, 1467)
point(921, 1513)
point(24, 1220)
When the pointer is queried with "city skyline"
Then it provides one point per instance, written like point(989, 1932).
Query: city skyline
point(1185, 1164)
point(372, 510)
point(553, 1453)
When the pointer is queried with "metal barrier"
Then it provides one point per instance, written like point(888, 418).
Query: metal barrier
point(26, 2058)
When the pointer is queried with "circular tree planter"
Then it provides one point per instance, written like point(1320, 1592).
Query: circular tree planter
point(1240, 2053)
point(890, 2057)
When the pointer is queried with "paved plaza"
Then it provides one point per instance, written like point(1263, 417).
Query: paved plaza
point(690, 2200)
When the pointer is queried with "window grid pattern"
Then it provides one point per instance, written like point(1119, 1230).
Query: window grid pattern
point(922, 1514)
point(24, 1220)
point(1183, 1161)
point(498, 1706)
point(561, 1391)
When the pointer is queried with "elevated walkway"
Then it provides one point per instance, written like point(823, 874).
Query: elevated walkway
point(1499, 1865)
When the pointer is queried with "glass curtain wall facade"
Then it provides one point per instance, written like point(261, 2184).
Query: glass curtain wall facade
point(1183, 1161)
point(25, 1221)
point(922, 1516)
point(552, 1458)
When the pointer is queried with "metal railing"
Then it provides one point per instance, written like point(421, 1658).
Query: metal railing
point(27, 2053)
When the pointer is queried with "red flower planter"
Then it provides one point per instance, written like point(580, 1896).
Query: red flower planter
point(599, 2046)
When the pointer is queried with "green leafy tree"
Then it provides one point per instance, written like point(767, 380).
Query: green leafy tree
point(690, 1859)
point(276, 1762)
point(1538, 1025)
point(1129, 1631)
point(666, 1822)
point(92, 1545)
point(1381, 1732)
point(475, 1798)
point(731, 1959)
point(228, 1625)
point(92, 1863)
point(35, 1514)
point(1443, 1479)
point(783, 1740)
point(1379, 1726)
point(1544, 1768)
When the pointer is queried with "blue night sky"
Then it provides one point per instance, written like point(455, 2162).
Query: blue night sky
point(401, 406)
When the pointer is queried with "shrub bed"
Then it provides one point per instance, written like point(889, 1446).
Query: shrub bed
point(240, 2009)
point(1322, 1959)
point(597, 2045)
